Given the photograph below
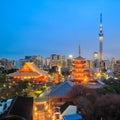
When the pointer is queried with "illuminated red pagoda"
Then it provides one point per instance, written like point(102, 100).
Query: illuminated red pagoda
point(80, 72)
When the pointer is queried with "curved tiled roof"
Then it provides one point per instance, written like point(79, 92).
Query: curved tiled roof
point(79, 58)
point(32, 70)
point(62, 89)
point(23, 74)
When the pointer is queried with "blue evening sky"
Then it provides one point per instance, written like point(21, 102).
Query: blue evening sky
point(44, 27)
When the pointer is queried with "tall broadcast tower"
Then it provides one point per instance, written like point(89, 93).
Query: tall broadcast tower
point(100, 39)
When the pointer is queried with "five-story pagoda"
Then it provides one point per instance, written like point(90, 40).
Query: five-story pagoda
point(80, 72)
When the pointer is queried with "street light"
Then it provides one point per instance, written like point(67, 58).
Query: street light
point(70, 56)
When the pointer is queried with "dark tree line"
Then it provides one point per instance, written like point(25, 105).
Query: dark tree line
point(95, 106)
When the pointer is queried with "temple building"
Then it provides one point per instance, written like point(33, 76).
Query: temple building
point(29, 71)
point(80, 72)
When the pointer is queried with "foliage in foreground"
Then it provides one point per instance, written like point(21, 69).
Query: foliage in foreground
point(94, 105)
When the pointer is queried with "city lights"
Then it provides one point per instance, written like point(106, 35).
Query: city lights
point(58, 54)
point(70, 56)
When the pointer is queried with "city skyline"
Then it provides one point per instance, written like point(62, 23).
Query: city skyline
point(58, 27)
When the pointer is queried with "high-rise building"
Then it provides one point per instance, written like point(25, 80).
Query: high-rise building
point(7, 64)
point(95, 56)
point(58, 60)
point(95, 60)
point(117, 68)
point(113, 62)
point(101, 41)
point(37, 59)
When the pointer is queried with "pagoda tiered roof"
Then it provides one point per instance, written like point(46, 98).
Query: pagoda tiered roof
point(79, 58)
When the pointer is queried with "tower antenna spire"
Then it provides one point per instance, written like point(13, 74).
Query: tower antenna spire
point(79, 51)
point(100, 18)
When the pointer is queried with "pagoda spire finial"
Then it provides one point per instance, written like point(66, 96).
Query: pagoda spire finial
point(79, 51)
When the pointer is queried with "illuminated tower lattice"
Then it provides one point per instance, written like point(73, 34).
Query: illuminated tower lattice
point(101, 40)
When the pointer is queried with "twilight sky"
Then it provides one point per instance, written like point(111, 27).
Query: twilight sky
point(44, 27)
